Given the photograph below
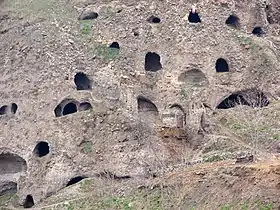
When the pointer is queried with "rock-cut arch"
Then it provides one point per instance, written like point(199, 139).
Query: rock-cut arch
point(248, 97)
point(193, 77)
point(177, 113)
point(145, 105)
point(11, 163)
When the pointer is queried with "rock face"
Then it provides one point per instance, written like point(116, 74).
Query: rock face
point(96, 80)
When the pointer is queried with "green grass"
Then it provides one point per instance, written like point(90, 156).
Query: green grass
point(85, 27)
point(87, 147)
point(87, 185)
point(226, 207)
point(276, 136)
point(6, 198)
point(117, 203)
point(215, 158)
point(106, 53)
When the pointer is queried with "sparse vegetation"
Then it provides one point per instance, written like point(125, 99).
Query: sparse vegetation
point(106, 53)
point(6, 198)
point(87, 147)
point(215, 158)
point(85, 27)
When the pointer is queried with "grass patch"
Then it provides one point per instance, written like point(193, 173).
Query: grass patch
point(87, 147)
point(276, 136)
point(215, 158)
point(117, 203)
point(87, 185)
point(7, 198)
point(106, 53)
point(85, 27)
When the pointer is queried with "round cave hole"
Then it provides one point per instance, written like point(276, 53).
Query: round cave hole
point(4, 110)
point(69, 108)
point(85, 106)
point(75, 180)
point(42, 149)
point(152, 62)
point(82, 81)
point(153, 19)
point(222, 65)
point(233, 21)
point(115, 45)
point(258, 31)
point(28, 202)
point(194, 17)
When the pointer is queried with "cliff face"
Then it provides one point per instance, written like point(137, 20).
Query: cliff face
point(127, 90)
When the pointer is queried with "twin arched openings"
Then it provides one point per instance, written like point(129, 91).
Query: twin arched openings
point(249, 97)
point(8, 109)
point(70, 106)
point(175, 115)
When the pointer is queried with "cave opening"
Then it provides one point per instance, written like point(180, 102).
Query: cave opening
point(194, 17)
point(115, 45)
point(250, 97)
point(75, 180)
point(258, 31)
point(145, 105)
point(11, 163)
point(42, 149)
point(28, 202)
point(222, 65)
point(85, 106)
point(153, 19)
point(82, 81)
point(152, 62)
point(69, 108)
point(233, 21)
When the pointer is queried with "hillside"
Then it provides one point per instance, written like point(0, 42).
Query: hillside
point(152, 104)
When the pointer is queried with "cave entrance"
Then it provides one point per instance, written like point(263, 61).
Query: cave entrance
point(194, 17)
point(41, 149)
point(85, 106)
point(152, 62)
point(233, 21)
point(222, 65)
point(258, 31)
point(4, 110)
point(82, 81)
point(75, 180)
point(69, 108)
point(28, 202)
point(250, 97)
point(145, 105)
point(153, 19)
point(14, 108)
point(11, 163)
point(115, 45)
